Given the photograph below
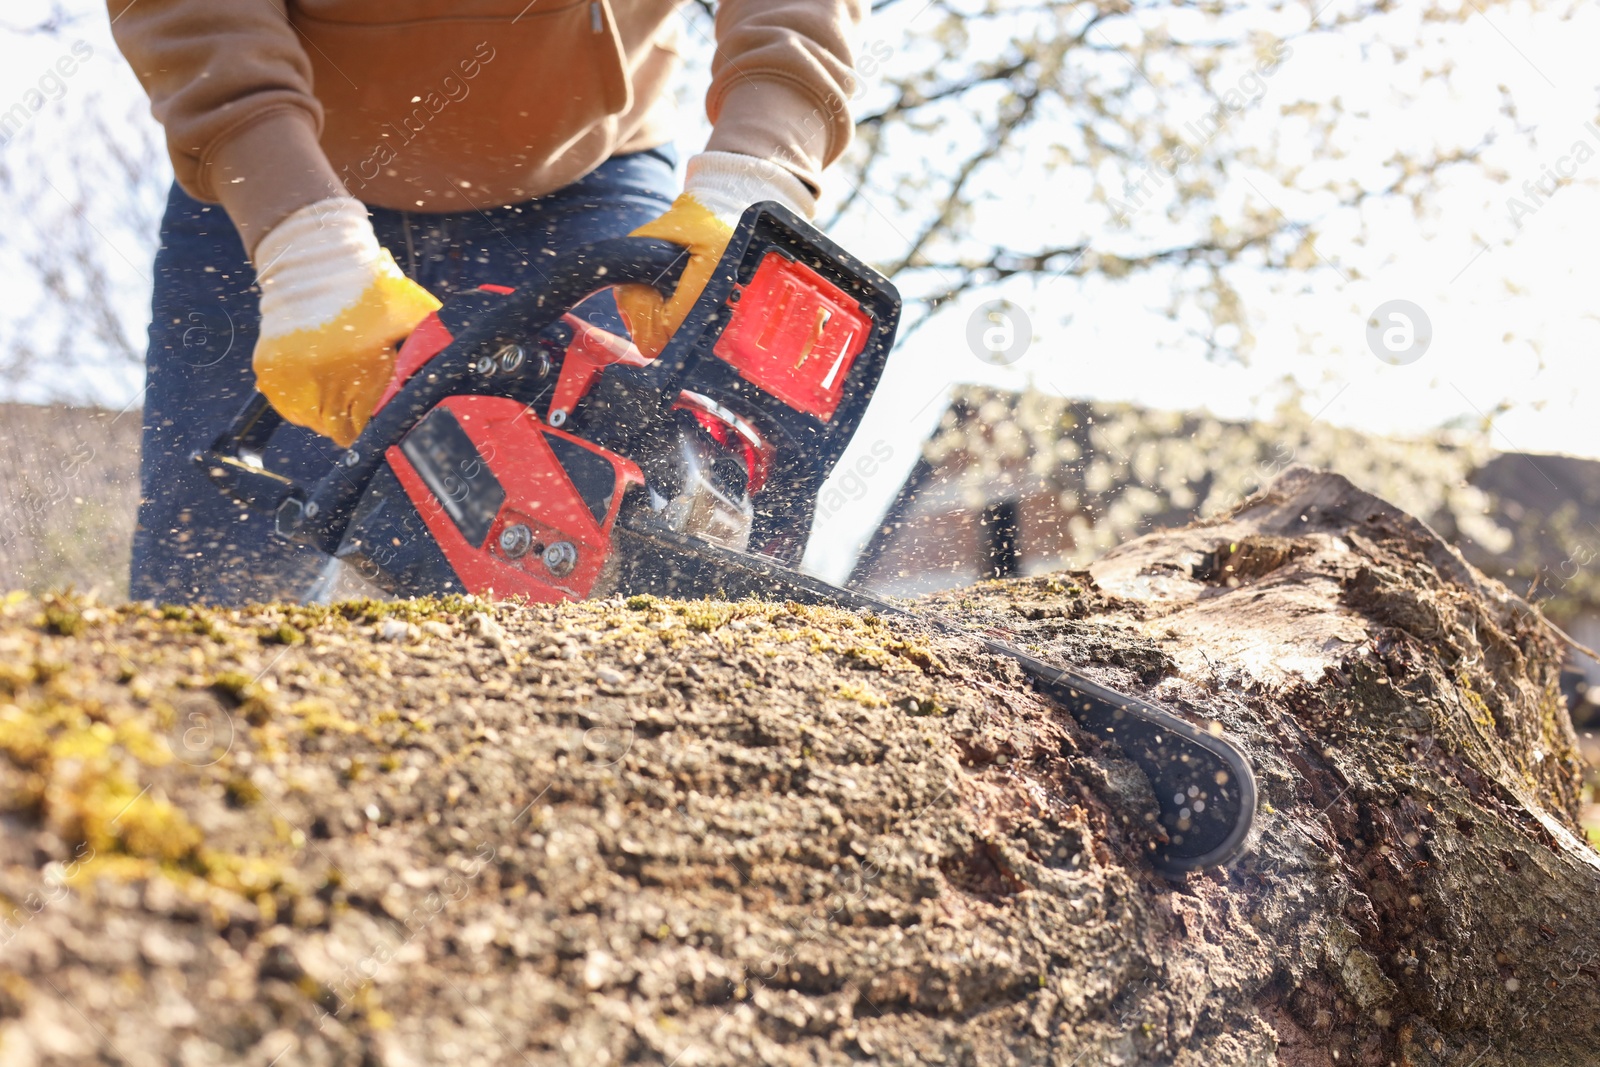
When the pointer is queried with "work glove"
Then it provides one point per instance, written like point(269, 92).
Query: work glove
point(717, 188)
point(333, 308)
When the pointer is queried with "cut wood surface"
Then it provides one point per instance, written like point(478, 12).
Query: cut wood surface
point(640, 831)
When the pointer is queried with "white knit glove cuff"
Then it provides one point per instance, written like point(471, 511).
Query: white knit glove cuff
point(726, 183)
point(315, 263)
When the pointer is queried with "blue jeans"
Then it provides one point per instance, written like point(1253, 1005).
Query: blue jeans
point(192, 543)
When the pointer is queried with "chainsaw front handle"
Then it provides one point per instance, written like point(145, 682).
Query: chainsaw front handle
point(319, 513)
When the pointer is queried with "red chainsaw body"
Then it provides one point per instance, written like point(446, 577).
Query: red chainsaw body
point(541, 493)
point(520, 451)
point(541, 496)
point(520, 506)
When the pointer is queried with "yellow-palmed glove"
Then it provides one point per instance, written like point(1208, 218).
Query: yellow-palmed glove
point(334, 306)
point(717, 188)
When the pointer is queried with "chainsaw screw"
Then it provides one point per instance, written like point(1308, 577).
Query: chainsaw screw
point(515, 540)
point(312, 510)
point(557, 417)
point(351, 458)
point(560, 558)
point(484, 365)
point(511, 357)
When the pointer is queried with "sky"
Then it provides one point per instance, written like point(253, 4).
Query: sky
point(1509, 293)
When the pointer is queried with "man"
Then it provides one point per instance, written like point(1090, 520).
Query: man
point(373, 156)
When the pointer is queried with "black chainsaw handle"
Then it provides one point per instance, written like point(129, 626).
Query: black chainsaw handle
point(319, 513)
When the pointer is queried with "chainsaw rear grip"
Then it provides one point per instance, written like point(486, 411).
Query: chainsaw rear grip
point(319, 515)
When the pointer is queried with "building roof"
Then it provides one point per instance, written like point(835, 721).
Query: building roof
point(1118, 470)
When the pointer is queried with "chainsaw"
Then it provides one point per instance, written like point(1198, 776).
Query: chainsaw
point(523, 452)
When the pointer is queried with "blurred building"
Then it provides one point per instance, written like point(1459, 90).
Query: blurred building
point(1022, 483)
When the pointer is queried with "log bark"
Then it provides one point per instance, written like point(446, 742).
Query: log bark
point(649, 832)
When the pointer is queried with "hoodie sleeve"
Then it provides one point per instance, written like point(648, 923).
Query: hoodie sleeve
point(781, 81)
point(230, 84)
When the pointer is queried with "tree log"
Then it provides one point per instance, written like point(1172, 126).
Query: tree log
point(655, 832)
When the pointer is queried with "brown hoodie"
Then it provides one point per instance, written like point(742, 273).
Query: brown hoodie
point(451, 105)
